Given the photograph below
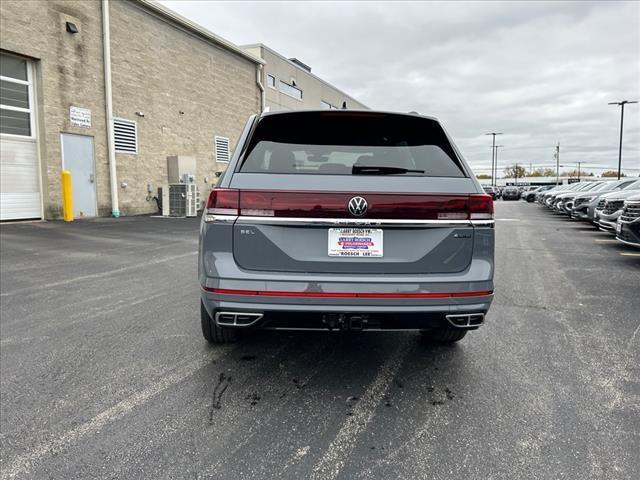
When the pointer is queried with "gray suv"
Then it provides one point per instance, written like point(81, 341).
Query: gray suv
point(346, 220)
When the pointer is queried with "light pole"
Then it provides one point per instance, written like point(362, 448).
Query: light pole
point(622, 104)
point(557, 157)
point(493, 153)
point(495, 156)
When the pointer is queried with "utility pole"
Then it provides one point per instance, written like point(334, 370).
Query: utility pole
point(516, 174)
point(557, 155)
point(622, 104)
point(493, 157)
point(579, 170)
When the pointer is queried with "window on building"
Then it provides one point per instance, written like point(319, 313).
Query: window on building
point(16, 93)
point(326, 105)
point(290, 90)
point(271, 81)
point(125, 134)
point(222, 149)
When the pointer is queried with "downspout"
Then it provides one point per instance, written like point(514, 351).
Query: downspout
point(111, 153)
point(261, 87)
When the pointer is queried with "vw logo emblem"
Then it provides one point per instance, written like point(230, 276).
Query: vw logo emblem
point(358, 206)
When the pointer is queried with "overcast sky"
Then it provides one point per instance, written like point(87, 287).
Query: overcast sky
point(541, 72)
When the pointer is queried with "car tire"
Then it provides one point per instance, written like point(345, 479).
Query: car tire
point(212, 332)
point(443, 336)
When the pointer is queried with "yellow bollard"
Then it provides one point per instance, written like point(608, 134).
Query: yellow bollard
point(67, 196)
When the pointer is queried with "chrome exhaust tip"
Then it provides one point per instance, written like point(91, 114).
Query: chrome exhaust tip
point(237, 319)
point(466, 320)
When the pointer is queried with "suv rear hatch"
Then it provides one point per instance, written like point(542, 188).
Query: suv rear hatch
point(293, 185)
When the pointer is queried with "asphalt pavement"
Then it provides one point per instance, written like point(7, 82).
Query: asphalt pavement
point(104, 372)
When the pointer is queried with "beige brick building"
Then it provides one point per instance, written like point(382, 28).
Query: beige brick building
point(290, 85)
point(176, 88)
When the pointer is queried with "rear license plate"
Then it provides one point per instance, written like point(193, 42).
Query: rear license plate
point(355, 242)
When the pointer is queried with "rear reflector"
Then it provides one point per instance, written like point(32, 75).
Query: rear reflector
point(276, 293)
point(277, 203)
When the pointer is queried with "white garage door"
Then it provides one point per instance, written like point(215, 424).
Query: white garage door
point(19, 169)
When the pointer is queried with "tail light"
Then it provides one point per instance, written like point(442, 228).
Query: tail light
point(335, 205)
point(480, 207)
point(265, 203)
point(223, 201)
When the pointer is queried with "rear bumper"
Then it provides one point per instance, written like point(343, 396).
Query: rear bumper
point(285, 320)
point(378, 312)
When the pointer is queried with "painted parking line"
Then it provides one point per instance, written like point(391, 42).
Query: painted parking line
point(629, 254)
point(605, 240)
point(338, 452)
point(22, 465)
point(93, 276)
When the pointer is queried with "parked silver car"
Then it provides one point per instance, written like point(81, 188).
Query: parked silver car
point(556, 198)
point(346, 220)
point(548, 198)
point(584, 204)
point(628, 223)
point(609, 208)
point(510, 193)
point(563, 202)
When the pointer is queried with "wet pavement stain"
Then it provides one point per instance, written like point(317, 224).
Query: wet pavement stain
point(218, 391)
point(351, 403)
point(448, 395)
point(299, 384)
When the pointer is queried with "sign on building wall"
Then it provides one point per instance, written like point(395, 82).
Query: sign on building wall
point(80, 117)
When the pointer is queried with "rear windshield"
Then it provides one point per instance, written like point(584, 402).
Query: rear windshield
point(350, 143)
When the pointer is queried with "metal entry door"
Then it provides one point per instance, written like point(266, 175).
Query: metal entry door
point(77, 157)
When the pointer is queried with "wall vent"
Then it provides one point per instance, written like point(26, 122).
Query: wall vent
point(222, 149)
point(125, 134)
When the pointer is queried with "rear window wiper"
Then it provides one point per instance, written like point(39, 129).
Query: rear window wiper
point(381, 170)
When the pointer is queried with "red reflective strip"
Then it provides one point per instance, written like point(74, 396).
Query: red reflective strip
point(313, 204)
point(275, 293)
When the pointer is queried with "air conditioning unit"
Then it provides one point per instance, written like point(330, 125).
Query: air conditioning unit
point(180, 200)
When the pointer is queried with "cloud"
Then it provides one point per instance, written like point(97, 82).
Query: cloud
point(541, 72)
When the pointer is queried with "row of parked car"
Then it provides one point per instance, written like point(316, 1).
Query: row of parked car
point(505, 193)
point(612, 206)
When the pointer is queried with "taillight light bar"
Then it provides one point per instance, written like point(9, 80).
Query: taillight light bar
point(382, 295)
point(268, 203)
